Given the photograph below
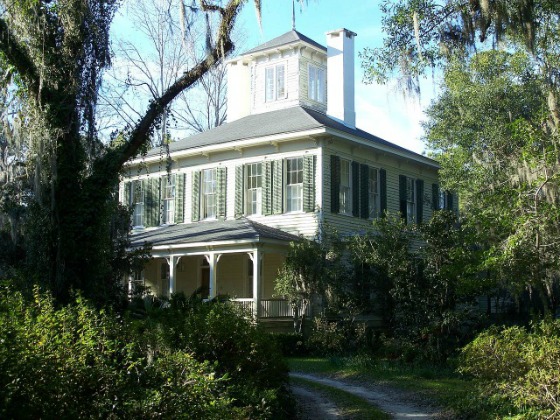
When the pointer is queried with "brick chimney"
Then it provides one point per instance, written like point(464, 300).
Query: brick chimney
point(340, 76)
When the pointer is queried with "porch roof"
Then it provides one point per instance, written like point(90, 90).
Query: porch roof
point(211, 231)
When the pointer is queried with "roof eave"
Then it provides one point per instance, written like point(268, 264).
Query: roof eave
point(403, 153)
point(233, 145)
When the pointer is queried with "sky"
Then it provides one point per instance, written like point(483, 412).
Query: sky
point(380, 110)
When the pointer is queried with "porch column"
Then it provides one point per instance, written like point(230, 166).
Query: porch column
point(212, 262)
point(256, 257)
point(172, 260)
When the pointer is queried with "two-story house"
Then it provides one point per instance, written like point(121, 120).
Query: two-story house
point(289, 158)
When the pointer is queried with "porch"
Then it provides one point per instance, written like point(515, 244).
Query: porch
point(237, 259)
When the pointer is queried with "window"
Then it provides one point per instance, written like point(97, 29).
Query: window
point(275, 82)
point(168, 196)
point(138, 203)
point(442, 200)
point(294, 184)
point(316, 87)
point(254, 189)
point(410, 200)
point(373, 192)
point(208, 202)
point(345, 187)
point(136, 281)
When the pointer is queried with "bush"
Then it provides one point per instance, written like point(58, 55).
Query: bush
point(79, 362)
point(291, 344)
point(220, 333)
point(335, 338)
point(519, 365)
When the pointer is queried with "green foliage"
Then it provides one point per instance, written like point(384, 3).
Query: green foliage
point(487, 130)
point(311, 268)
point(518, 365)
point(423, 278)
point(78, 362)
point(291, 344)
point(222, 334)
point(494, 127)
point(335, 338)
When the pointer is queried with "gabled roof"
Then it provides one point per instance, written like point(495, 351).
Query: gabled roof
point(290, 37)
point(284, 121)
point(211, 231)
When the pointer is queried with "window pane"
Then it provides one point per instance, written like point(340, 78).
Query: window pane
point(320, 85)
point(209, 193)
point(294, 187)
point(138, 203)
point(280, 84)
point(312, 79)
point(345, 196)
point(269, 84)
point(294, 197)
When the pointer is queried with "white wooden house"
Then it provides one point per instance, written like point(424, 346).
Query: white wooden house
point(289, 158)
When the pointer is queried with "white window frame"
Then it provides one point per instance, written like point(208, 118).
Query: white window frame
point(169, 195)
point(293, 185)
point(345, 191)
point(411, 200)
point(208, 194)
point(316, 83)
point(136, 279)
point(137, 194)
point(373, 192)
point(273, 83)
point(253, 191)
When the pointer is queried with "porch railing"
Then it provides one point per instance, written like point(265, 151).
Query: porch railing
point(270, 308)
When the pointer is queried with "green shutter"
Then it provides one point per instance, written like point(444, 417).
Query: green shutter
point(221, 181)
point(419, 201)
point(277, 203)
point(239, 190)
point(449, 200)
point(435, 197)
point(364, 191)
point(196, 196)
point(179, 198)
point(309, 183)
point(355, 189)
point(335, 184)
point(151, 205)
point(382, 192)
point(267, 189)
point(402, 196)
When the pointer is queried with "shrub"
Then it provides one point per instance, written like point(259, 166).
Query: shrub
point(519, 365)
point(291, 344)
point(221, 333)
point(76, 361)
point(335, 338)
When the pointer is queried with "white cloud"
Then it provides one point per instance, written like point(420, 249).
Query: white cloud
point(388, 115)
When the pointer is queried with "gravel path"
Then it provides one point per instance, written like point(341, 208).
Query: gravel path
point(313, 405)
point(399, 404)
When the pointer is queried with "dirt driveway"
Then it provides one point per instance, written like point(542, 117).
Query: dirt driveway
point(398, 403)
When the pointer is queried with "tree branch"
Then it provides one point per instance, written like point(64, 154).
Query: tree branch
point(112, 163)
point(19, 57)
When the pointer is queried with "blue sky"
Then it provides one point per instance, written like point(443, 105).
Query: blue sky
point(381, 110)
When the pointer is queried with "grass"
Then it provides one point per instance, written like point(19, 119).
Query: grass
point(349, 405)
